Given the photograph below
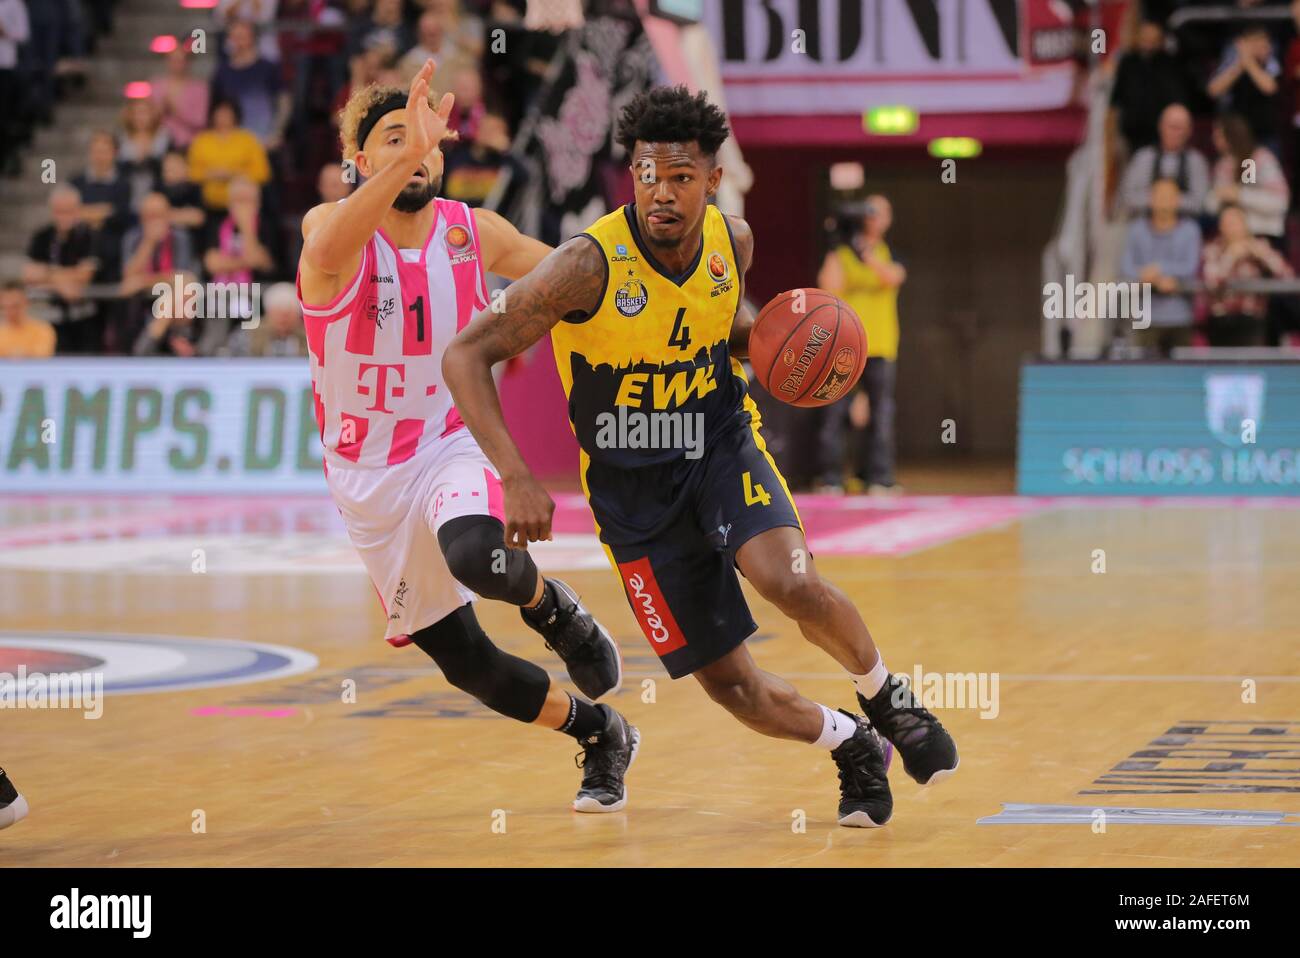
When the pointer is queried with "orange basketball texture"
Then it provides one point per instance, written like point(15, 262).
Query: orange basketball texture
point(807, 347)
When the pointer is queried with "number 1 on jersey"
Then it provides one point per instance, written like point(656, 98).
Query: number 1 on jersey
point(418, 308)
point(755, 494)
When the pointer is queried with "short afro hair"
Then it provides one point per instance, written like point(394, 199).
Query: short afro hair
point(672, 115)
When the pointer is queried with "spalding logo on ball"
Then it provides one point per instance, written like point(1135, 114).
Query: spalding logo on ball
point(818, 342)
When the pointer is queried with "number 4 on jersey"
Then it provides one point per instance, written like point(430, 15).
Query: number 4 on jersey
point(681, 335)
point(755, 494)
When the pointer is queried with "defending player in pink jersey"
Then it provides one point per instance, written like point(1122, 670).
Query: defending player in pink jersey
point(386, 279)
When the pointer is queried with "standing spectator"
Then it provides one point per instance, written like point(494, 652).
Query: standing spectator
point(863, 273)
point(1249, 175)
point(281, 332)
point(224, 152)
point(14, 30)
point(240, 250)
point(1170, 158)
point(154, 252)
point(1163, 250)
point(1237, 318)
point(141, 145)
point(254, 83)
point(62, 258)
point(181, 98)
point(22, 335)
point(1246, 82)
point(1147, 80)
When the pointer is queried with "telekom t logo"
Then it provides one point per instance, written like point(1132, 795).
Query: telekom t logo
point(382, 392)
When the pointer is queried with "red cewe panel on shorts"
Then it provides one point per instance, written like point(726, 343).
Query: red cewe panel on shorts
point(650, 607)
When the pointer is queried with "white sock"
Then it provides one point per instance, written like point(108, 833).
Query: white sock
point(873, 681)
point(836, 728)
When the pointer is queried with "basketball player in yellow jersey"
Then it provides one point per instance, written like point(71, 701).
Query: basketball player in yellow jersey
point(644, 314)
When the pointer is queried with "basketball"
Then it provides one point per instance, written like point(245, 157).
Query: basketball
point(807, 347)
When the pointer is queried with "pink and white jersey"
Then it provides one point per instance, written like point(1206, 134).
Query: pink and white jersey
point(376, 350)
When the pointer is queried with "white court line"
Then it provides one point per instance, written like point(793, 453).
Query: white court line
point(1003, 676)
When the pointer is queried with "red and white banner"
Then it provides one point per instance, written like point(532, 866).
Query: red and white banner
point(827, 57)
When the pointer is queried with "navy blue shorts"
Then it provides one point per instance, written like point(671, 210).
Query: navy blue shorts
point(673, 530)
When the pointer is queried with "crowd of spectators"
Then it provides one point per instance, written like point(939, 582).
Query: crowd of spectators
point(1197, 225)
point(211, 164)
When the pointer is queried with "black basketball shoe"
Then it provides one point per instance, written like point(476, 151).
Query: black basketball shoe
point(589, 652)
point(863, 761)
point(604, 760)
point(929, 753)
point(13, 807)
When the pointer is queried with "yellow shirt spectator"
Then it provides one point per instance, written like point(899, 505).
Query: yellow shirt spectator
point(216, 157)
point(875, 303)
point(30, 338)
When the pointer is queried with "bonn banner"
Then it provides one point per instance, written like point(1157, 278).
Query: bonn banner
point(1164, 429)
point(158, 425)
point(844, 56)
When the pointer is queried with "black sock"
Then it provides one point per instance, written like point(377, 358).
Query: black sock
point(545, 607)
point(585, 720)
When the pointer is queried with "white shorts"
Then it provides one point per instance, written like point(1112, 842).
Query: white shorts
point(393, 515)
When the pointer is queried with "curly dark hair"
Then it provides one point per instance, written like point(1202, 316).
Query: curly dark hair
point(672, 115)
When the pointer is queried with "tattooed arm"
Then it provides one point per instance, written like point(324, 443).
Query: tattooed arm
point(567, 284)
point(738, 343)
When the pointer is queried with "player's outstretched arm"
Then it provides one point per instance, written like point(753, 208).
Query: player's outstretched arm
point(738, 341)
point(332, 243)
point(506, 251)
point(567, 284)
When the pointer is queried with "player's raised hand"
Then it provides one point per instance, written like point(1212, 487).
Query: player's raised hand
point(425, 127)
point(528, 511)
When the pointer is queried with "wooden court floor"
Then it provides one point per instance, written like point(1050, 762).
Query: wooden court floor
point(1168, 682)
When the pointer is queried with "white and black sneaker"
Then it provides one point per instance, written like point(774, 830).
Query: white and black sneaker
point(604, 760)
point(588, 650)
point(863, 761)
point(13, 807)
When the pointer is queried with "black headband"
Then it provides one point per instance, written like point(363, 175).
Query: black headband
point(395, 100)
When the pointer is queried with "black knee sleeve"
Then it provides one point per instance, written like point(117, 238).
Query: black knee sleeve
point(476, 554)
point(504, 683)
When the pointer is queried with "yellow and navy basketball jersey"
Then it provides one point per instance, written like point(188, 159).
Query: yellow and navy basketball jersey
point(657, 343)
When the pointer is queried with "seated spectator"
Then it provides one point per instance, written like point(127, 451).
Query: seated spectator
point(182, 99)
point(1250, 176)
point(1170, 158)
point(1147, 80)
point(62, 258)
point(170, 332)
point(435, 43)
point(472, 168)
point(240, 249)
point(1238, 318)
point(1246, 82)
point(1164, 250)
point(469, 108)
point(332, 182)
point(363, 70)
point(253, 82)
point(22, 335)
point(261, 14)
point(224, 152)
point(280, 332)
point(156, 251)
point(141, 145)
point(183, 195)
point(105, 192)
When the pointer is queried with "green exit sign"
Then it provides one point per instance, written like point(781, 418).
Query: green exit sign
point(890, 120)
